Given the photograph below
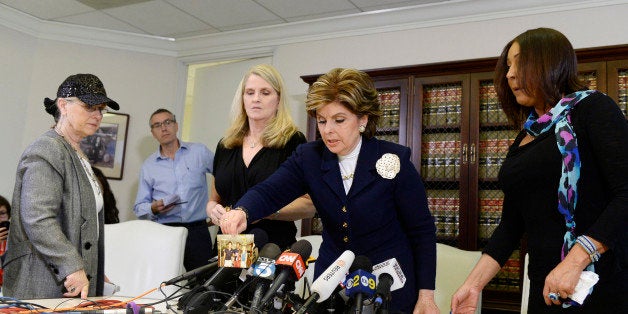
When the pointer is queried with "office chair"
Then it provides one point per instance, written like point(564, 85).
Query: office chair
point(453, 265)
point(141, 254)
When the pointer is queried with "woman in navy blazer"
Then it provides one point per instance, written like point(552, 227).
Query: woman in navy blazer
point(367, 192)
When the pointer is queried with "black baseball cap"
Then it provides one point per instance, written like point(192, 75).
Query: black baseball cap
point(88, 88)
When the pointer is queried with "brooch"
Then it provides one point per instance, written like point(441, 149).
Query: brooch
point(388, 166)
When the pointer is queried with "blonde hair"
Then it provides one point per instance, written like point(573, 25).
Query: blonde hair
point(280, 128)
point(352, 88)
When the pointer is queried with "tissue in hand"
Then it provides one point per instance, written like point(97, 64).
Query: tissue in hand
point(587, 280)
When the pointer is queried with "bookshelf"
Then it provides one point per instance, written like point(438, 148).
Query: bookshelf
point(448, 114)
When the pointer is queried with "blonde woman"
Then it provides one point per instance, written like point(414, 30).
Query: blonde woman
point(262, 135)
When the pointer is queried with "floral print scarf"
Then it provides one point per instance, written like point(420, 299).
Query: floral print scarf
point(568, 147)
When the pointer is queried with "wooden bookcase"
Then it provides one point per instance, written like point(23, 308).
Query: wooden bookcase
point(448, 114)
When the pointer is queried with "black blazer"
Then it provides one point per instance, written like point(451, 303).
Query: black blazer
point(379, 218)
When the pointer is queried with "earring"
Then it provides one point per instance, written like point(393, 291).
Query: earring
point(362, 128)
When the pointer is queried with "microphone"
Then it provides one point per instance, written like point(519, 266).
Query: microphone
point(291, 266)
point(327, 282)
point(382, 292)
point(195, 272)
point(264, 268)
point(360, 282)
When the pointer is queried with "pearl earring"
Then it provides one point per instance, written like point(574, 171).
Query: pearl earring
point(362, 128)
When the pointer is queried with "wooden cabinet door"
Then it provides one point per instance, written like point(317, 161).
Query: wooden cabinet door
point(617, 75)
point(490, 136)
point(442, 134)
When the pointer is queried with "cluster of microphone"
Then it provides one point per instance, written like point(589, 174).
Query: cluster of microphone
point(348, 285)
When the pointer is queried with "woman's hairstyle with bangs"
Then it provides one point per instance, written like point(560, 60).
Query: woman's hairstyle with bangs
point(352, 88)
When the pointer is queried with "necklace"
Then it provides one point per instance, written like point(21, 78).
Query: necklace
point(344, 174)
point(252, 141)
point(89, 172)
point(86, 165)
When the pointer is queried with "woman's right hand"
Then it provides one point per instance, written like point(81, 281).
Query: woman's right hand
point(465, 300)
point(215, 212)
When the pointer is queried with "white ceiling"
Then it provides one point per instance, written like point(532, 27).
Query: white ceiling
point(185, 18)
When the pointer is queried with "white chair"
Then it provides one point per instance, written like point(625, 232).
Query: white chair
point(453, 265)
point(300, 285)
point(141, 254)
point(525, 289)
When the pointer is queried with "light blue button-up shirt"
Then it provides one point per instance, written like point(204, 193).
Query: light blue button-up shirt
point(184, 176)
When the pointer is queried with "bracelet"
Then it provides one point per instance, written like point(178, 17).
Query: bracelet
point(274, 215)
point(246, 212)
point(589, 247)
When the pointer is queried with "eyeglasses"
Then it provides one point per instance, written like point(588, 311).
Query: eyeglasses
point(167, 123)
point(91, 109)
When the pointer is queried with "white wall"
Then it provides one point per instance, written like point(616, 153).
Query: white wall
point(16, 51)
point(141, 82)
point(208, 113)
point(594, 27)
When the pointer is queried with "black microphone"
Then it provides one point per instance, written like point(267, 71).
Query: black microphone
point(382, 292)
point(360, 282)
point(291, 267)
point(264, 268)
point(195, 272)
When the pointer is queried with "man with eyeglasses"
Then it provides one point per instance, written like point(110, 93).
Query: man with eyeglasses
point(173, 187)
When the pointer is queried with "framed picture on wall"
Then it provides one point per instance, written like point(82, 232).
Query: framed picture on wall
point(105, 149)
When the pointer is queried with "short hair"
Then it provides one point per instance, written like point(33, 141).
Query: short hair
point(352, 88)
point(161, 110)
point(279, 129)
point(4, 202)
point(546, 69)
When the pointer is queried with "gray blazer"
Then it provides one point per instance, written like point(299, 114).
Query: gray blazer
point(55, 228)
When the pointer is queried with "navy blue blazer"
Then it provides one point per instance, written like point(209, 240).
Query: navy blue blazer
point(379, 218)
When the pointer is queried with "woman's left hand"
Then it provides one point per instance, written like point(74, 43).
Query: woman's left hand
point(562, 280)
point(426, 303)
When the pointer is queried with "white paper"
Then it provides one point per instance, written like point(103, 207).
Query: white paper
point(170, 199)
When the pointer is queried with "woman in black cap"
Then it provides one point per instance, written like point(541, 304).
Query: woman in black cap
point(56, 244)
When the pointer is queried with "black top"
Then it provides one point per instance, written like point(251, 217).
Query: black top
point(232, 179)
point(530, 176)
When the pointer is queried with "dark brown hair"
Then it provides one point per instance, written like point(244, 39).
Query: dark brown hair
point(354, 89)
point(109, 206)
point(546, 70)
